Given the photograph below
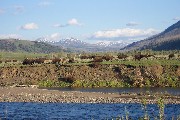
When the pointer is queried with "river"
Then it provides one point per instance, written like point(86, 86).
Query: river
point(59, 111)
point(84, 111)
point(172, 91)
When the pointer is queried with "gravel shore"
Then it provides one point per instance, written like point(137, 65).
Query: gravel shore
point(27, 94)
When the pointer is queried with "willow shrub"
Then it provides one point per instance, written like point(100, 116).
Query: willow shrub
point(83, 84)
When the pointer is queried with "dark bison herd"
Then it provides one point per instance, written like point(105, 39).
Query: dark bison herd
point(43, 60)
point(123, 57)
point(92, 58)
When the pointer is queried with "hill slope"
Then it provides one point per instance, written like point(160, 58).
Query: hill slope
point(15, 45)
point(167, 40)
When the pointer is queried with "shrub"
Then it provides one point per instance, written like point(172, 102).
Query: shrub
point(77, 83)
point(46, 83)
point(161, 108)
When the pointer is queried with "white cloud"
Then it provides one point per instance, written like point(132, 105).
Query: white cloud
point(55, 36)
point(176, 18)
point(132, 24)
point(7, 36)
point(74, 21)
point(29, 26)
point(71, 22)
point(52, 37)
point(45, 3)
point(60, 25)
point(126, 32)
point(123, 34)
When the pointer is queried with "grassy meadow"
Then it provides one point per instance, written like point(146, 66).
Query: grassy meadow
point(20, 55)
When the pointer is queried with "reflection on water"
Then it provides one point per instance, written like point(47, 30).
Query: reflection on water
point(173, 91)
point(59, 111)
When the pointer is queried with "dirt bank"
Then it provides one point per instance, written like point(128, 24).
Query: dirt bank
point(136, 76)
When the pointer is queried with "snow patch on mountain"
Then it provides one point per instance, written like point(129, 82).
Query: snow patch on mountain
point(78, 44)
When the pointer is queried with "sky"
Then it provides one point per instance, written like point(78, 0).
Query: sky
point(87, 20)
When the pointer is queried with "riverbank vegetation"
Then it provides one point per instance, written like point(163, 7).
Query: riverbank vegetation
point(83, 84)
point(165, 81)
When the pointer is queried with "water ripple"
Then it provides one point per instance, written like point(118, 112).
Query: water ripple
point(59, 111)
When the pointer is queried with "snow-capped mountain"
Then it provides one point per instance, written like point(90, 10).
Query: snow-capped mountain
point(78, 45)
point(71, 42)
point(112, 44)
point(67, 42)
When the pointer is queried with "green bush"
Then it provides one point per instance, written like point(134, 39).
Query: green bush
point(95, 84)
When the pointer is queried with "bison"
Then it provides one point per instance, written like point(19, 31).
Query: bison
point(122, 56)
point(39, 60)
point(56, 60)
point(139, 56)
point(33, 61)
point(14, 60)
point(28, 61)
point(107, 57)
point(171, 56)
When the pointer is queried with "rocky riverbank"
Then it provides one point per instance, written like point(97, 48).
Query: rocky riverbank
point(26, 94)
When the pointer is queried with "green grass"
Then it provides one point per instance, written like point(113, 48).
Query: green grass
point(134, 63)
point(20, 55)
point(78, 64)
point(145, 62)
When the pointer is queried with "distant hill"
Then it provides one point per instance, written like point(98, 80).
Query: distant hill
point(78, 45)
point(16, 45)
point(169, 39)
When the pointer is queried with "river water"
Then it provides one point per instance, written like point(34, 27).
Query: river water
point(64, 111)
point(75, 111)
point(172, 91)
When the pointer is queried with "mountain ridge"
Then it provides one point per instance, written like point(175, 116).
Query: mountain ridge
point(78, 45)
point(169, 39)
point(16, 45)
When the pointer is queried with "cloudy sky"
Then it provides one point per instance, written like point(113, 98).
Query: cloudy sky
point(87, 20)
